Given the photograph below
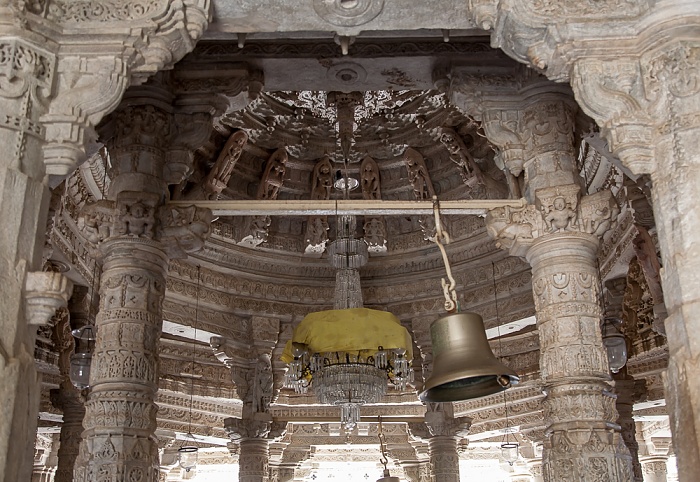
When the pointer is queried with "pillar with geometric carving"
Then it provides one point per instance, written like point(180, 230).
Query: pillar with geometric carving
point(558, 234)
point(134, 235)
point(442, 432)
point(659, 134)
point(253, 447)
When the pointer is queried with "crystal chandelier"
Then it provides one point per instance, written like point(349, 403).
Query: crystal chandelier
point(341, 353)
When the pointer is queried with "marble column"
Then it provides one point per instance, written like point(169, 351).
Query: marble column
point(558, 234)
point(442, 432)
point(134, 236)
point(281, 474)
point(67, 398)
point(654, 468)
point(26, 88)
point(251, 435)
point(659, 134)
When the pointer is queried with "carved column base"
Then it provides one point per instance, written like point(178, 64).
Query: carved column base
point(444, 458)
point(253, 460)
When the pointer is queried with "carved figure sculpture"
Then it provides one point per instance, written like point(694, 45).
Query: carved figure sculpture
point(317, 231)
point(220, 174)
point(369, 179)
point(137, 221)
point(469, 170)
point(418, 174)
point(273, 178)
point(262, 384)
point(559, 216)
point(375, 234)
point(322, 180)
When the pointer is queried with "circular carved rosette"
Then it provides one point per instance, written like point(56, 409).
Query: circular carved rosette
point(348, 13)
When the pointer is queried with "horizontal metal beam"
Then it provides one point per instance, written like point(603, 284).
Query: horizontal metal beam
point(350, 207)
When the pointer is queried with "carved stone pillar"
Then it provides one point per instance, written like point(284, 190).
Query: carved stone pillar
point(656, 130)
point(253, 451)
point(654, 468)
point(535, 467)
point(442, 433)
point(26, 87)
point(559, 236)
point(281, 474)
point(135, 236)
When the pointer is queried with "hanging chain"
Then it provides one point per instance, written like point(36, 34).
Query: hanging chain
point(382, 446)
point(442, 238)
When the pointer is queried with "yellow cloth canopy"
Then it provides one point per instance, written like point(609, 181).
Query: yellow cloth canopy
point(350, 330)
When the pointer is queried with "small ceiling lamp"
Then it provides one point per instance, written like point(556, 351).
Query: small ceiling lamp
point(344, 183)
point(188, 453)
point(615, 343)
point(85, 336)
point(386, 476)
point(509, 450)
point(348, 354)
point(464, 366)
point(81, 360)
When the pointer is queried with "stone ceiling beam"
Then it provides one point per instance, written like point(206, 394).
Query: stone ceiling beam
point(348, 207)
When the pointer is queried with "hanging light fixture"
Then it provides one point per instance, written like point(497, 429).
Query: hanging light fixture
point(81, 360)
point(188, 453)
point(349, 354)
point(509, 450)
point(615, 343)
point(464, 366)
point(386, 476)
point(85, 336)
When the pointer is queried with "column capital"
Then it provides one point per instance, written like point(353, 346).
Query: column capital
point(260, 427)
point(558, 210)
point(139, 216)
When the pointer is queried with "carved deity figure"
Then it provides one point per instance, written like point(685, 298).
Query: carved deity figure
point(136, 219)
point(418, 174)
point(317, 231)
point(273, 177)
point(469, 170)
point(560, 216)
point(262, 384)
point(322, 180)
point(219, 176)
point(369, 179)
point(375, 233)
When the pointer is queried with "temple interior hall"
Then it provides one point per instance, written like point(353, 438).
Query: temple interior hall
point(350, 240)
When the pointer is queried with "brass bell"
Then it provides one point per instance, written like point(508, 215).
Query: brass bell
point(464, 366)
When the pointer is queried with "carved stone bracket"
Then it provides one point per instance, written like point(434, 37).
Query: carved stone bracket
point(558, 209)
point(89, 85)
point(181, 230)
point(239, 429)
point(45, 292)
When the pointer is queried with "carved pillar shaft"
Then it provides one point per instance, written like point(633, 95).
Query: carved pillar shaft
point(444, 458)
point(282, 474)
point(26, 77)
point(120, 418)
point(253, 460)
point(676, 197)
point(654, 468)
point(71, 403)
point(579, 408)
